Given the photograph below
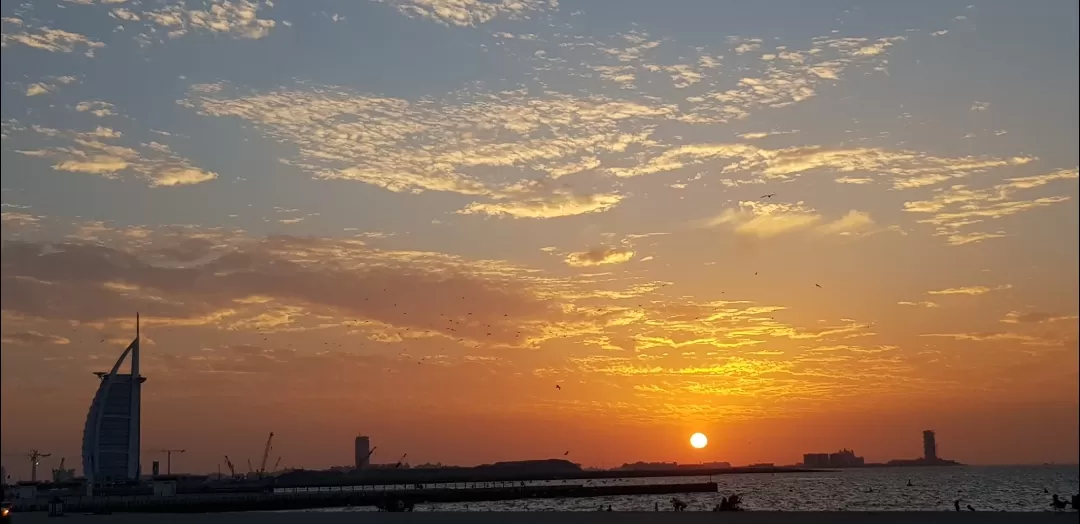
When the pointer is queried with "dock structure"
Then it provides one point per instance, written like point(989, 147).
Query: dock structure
point(234, 502)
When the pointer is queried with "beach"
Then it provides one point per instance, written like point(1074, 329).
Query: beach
point(762, 517)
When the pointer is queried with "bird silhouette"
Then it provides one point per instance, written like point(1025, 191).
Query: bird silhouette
point(970, 508)
point(770, 195)
point(558, 387)
point(818, 285)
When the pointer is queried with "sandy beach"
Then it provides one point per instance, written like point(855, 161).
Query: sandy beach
point(566, 518)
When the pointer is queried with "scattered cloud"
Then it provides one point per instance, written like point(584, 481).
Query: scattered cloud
point(96, 108)
point(45, 38)
point(469, 13)
point(238, 18)
point(96, 153)
point(958, 206)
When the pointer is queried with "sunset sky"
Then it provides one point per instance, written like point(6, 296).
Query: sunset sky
point(793, 226)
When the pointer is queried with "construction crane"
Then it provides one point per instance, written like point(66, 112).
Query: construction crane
point(35, 456)
point(266, 454)
point(168, 458)
point(60, 474)
point(401, 461)
point(276, 462)
point(232, 468)
point(250, 469)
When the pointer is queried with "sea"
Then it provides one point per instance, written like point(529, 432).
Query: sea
point(985, 488)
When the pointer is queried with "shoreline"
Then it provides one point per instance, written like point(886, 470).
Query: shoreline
point(760, 517)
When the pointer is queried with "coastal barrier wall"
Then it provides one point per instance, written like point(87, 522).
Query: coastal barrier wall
point(236, 502)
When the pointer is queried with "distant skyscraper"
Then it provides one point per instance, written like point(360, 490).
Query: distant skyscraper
point(362, 451)
point(929, 446)
point(111, 436)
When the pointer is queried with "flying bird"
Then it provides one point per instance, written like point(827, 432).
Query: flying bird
point(770, 195)
point(818, 285)
point(558, 387)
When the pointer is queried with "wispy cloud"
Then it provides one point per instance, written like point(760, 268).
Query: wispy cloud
point(768, 219)
point(959, 206)
point(969, 290)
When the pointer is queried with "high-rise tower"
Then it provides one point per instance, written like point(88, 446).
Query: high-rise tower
point(111, 436)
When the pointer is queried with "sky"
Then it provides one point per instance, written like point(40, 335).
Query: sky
point(793, 226)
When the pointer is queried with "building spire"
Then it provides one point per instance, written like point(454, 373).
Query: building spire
point(135, 350)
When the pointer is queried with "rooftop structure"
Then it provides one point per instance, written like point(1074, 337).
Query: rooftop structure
point(111, 436)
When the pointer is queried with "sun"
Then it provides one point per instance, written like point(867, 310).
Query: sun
point(699, 440)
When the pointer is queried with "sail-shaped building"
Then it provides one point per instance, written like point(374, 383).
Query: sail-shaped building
point(110, 451)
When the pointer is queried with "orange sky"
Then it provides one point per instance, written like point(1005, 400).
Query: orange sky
point(794, 230)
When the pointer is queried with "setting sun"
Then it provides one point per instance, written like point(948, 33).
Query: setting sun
point(699, 440)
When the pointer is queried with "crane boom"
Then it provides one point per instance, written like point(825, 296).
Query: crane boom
point(266, 454)
point(232, 469)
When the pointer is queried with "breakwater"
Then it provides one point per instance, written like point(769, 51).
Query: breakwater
point(235, 502)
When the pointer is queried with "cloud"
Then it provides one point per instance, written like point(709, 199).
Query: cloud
point(469, 13)
point(769, 219)
point(238, 18)
point(221, 278)
point(969, 290)
point(1035, 317)
point(38, 89)
point(45, 38)
point(17, 219)
point(559, 204)
point(417, 147)
point(958, 206)
point(907, 169)
point(600, 256)
point(94, 152)
point(852, 222)
point(925, 303)
point(765, 134)
point(1023, 339)
point(33, 338)
point(96, 108)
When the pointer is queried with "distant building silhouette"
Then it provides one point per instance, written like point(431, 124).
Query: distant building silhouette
point(111, 436)
point(845, 458)
point(815, 460)
point(362, 452)
point(930, 456)
point(929, 446)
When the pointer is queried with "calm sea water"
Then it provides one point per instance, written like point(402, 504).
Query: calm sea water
point(986, 488)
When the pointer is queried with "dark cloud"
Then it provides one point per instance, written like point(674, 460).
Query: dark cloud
point(416, 291)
